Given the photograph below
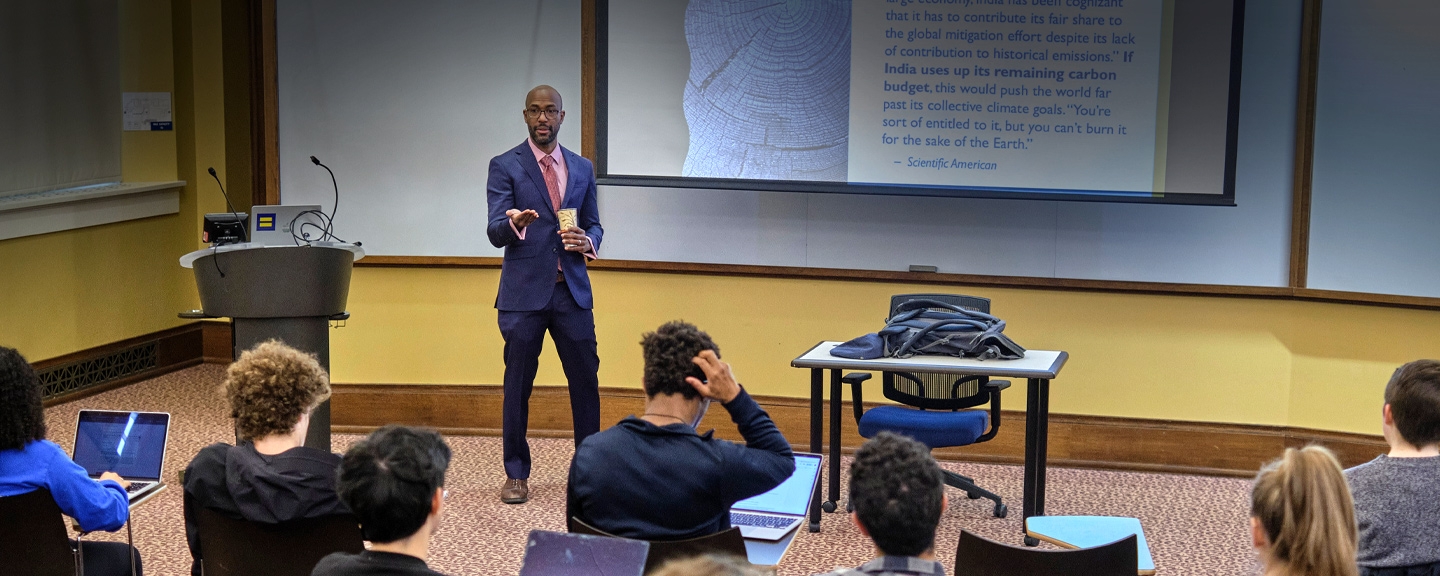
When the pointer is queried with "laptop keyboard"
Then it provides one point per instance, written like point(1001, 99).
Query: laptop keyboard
point(759, 520)
point(138, 486)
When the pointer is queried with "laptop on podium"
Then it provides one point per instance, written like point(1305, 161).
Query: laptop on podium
point(772, 515)
point(131, 444)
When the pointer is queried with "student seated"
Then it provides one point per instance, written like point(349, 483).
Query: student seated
point(1302, 521)
point(29, 462)
point(898, 493)
point(654, 477)
point(270, 477)
point(394, 480)
point(1397, 495)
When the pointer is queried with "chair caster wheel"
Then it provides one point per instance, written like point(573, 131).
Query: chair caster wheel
point(1031, 541)
point(1001, 510)
point(972, 495)
point(827, 506)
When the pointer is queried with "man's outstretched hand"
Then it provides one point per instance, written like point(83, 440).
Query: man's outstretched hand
point(720, 382)
point(521, 219)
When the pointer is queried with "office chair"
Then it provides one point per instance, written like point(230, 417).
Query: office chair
point(241, 547)
point(33, 538)
point(976, 556)
point(728, 542)
point(936, 405)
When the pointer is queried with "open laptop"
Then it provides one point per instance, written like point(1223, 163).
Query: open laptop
point(131, 444)
point(285, 225)
point(561, 554)
point(772, 515)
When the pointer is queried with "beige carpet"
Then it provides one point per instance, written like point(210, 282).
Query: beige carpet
point(1196, 525)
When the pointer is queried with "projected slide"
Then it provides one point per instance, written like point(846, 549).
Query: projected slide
point(1049, 95)
point(1131, 98)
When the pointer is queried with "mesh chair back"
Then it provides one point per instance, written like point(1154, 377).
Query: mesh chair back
point(930, 390)
point(727, 543)
point(240, 547)
point(976, 556)
point(32, 536)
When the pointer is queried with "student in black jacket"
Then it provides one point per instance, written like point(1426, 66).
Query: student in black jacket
point(270, 477)
point(394, 480)
point(653, 477)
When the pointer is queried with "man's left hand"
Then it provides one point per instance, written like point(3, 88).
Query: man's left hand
point(575, 240)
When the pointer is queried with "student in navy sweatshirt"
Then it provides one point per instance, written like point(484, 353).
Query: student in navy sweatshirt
point(653, 477)
point(29, 462)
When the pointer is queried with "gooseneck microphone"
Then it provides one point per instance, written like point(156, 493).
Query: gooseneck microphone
point(329, 231)
point(222, 192)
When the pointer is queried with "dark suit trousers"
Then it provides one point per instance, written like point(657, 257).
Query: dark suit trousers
point(572, 328)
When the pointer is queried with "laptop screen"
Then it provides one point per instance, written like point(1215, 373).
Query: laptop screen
point(793, 495)
point(131, 444)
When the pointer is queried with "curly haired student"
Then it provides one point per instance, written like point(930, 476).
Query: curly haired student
point(270, 477)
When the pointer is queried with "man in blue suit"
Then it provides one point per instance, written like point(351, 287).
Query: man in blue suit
point(543, 282)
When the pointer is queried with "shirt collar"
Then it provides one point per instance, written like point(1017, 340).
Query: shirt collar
point(903, 565)
point(559, 159)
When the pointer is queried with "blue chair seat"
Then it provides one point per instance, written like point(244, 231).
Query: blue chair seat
point(933, 428)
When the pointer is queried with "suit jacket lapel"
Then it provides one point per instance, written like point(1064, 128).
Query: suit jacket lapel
point(572, 190)
point(531, 167)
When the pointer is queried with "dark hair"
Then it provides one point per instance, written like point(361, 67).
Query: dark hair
point(22, 415)
point(669, 352)
point(898, 491)
point(1414, 398)
point(389, 478)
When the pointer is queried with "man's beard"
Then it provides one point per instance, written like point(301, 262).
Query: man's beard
point(547, 139)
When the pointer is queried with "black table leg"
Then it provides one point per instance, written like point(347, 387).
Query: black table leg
point(1037, 425)
point(817, 391)
point(835, 398)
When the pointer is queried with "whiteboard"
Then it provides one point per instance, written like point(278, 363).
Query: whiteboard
point(1374, 198)
point(411, 147)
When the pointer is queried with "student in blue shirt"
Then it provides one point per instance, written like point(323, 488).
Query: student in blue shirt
point(653, 477)
point(29, 462)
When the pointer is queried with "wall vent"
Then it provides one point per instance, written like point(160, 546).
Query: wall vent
point(84, 374)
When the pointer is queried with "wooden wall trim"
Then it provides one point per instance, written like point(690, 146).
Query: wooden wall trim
point(264, 105)
point(1074, 441)
point(1163, 288)
point(1304, 144)
point(588, 71)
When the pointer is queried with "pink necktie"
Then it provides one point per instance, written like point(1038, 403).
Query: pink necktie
point(552, 181)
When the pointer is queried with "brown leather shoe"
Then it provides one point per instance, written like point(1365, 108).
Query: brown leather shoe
point(514, 491)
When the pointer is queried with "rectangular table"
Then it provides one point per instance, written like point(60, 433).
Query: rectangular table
point(1038, 367)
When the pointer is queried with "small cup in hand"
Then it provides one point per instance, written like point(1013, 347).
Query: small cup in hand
point(568, 218)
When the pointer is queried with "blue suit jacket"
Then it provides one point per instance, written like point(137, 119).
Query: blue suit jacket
point(527, 276)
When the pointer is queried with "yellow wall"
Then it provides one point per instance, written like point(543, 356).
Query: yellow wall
point(1238, 360)
point(67, 291)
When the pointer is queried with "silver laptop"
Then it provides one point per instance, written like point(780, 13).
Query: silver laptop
point(131, 444)
point(772, 515)
point(286, 225)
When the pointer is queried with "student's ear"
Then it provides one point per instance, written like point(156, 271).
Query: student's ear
point(437, 501)
point(855, 519)
point(1257, 535)
point(944, 502)
point(1387, 416)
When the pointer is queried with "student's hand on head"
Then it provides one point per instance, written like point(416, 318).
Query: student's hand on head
point(720, 381)
point(116, 477)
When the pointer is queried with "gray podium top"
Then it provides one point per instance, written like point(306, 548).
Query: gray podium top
point(1044, 364)
point(188, 260)
point(257, 281)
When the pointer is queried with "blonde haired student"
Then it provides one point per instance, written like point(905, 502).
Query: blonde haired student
point(1301, 516)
